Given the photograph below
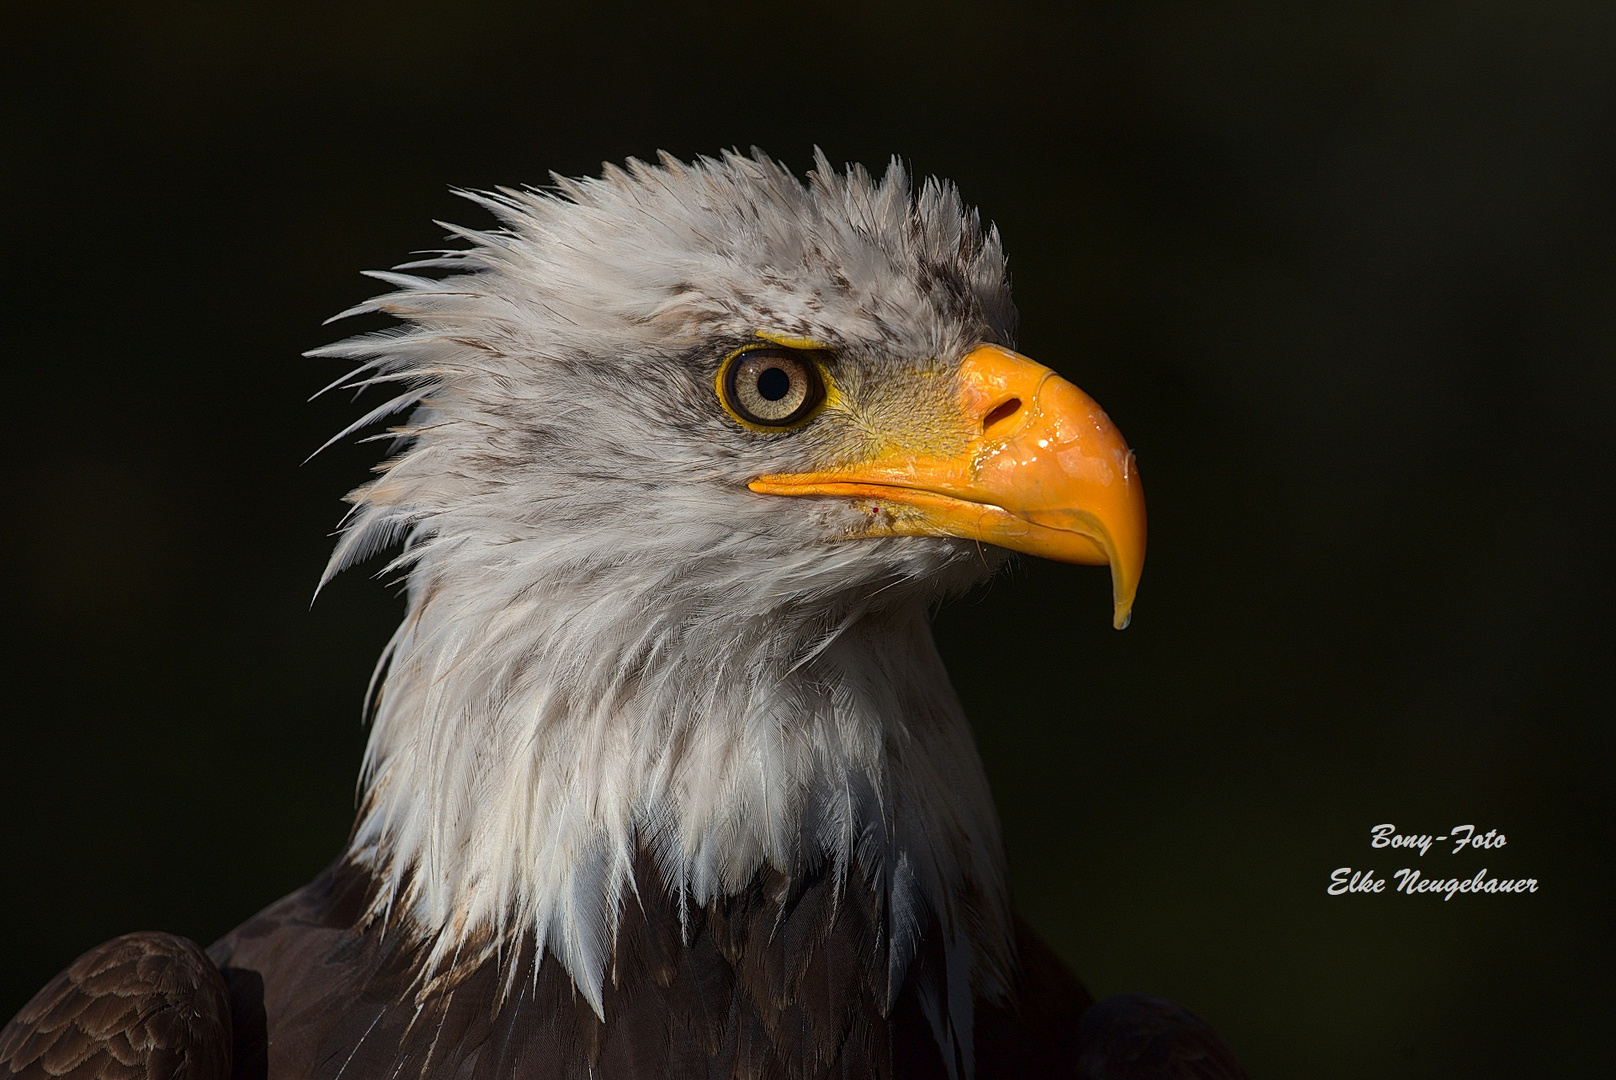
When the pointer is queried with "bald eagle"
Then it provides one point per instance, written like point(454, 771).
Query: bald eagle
point(665, 776)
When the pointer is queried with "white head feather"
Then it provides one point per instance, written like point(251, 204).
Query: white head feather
point(612, 645)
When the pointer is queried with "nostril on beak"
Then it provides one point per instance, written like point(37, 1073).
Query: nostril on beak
point(1001, 412)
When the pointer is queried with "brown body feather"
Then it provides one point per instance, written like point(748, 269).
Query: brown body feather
point(783, 980)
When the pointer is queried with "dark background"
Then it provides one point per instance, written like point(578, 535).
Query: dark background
point(1343, 273)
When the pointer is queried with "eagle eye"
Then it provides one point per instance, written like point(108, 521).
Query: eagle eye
point(772, 387)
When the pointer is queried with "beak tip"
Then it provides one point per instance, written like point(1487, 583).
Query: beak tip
point(1125, 587)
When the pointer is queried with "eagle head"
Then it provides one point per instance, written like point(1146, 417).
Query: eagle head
point(688, 451)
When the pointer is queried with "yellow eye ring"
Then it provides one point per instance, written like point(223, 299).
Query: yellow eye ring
point(768, 387)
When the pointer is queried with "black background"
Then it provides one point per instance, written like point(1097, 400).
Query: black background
point(1343, 273)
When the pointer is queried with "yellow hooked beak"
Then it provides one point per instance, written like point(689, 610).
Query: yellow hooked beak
point(1046, 473)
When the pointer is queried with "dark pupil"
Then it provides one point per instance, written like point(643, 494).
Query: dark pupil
point(774, 384)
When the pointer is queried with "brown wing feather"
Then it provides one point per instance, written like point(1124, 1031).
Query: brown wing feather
point(1138, 1037)
point(1033, 1034)
point(141, 1007)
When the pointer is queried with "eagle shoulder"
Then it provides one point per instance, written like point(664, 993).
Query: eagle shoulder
point(1140, 1037)
point(145, 1006)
